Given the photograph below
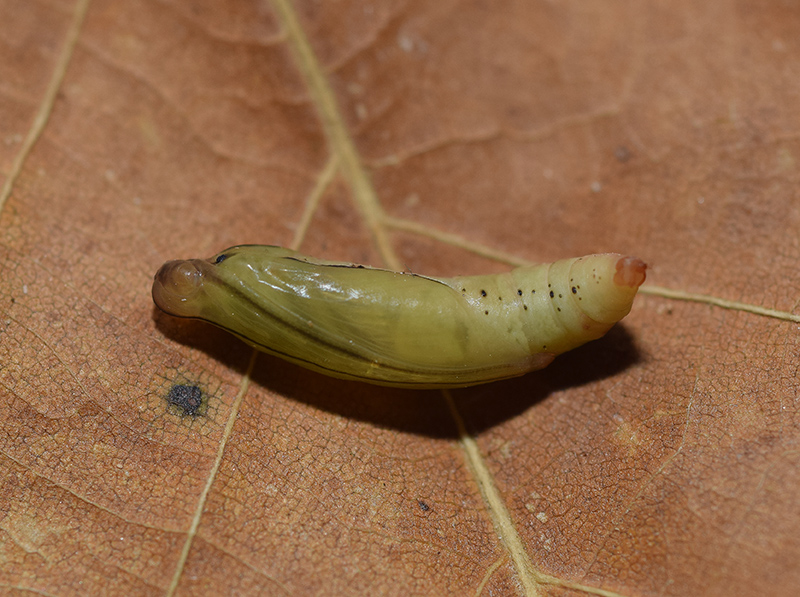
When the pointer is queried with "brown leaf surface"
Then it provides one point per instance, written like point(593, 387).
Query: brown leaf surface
point(446, 137)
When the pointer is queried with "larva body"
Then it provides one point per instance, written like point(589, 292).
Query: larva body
point(401, 329)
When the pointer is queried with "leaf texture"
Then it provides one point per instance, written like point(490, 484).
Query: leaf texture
point(143, 455)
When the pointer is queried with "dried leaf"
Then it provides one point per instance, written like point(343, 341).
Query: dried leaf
point(146, 455)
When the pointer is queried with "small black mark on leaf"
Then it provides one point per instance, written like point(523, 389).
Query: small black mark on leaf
point(423, 506)
point(188, 399)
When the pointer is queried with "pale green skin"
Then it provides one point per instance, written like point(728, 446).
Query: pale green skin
point(400, 329)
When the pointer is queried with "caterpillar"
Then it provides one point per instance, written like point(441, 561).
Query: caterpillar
point(401, 329)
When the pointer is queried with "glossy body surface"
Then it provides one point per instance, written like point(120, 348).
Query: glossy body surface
point(402, 329)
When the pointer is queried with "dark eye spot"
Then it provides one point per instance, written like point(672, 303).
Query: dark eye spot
point(220, 258)
point(574, 290)
point(519, 292)
point(552, 294)
point(483, 293)
point(189, 399)
point(486, 313)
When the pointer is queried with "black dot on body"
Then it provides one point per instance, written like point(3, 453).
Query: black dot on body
point(574, 290)
point(423, 506)
point(552, 294)
point(220, 258)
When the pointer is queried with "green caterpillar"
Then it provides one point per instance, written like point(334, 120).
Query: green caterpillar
point(400, 329)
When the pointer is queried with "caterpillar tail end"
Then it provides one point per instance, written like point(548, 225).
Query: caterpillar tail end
point(631, 272)
point(611, 282)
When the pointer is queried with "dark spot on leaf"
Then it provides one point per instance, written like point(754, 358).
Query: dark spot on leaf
point(220, 258)
point(574, 290)
point(483, 293)
point(189, 399)
point(552, 294)
point(423, 506)
point(519, 292)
